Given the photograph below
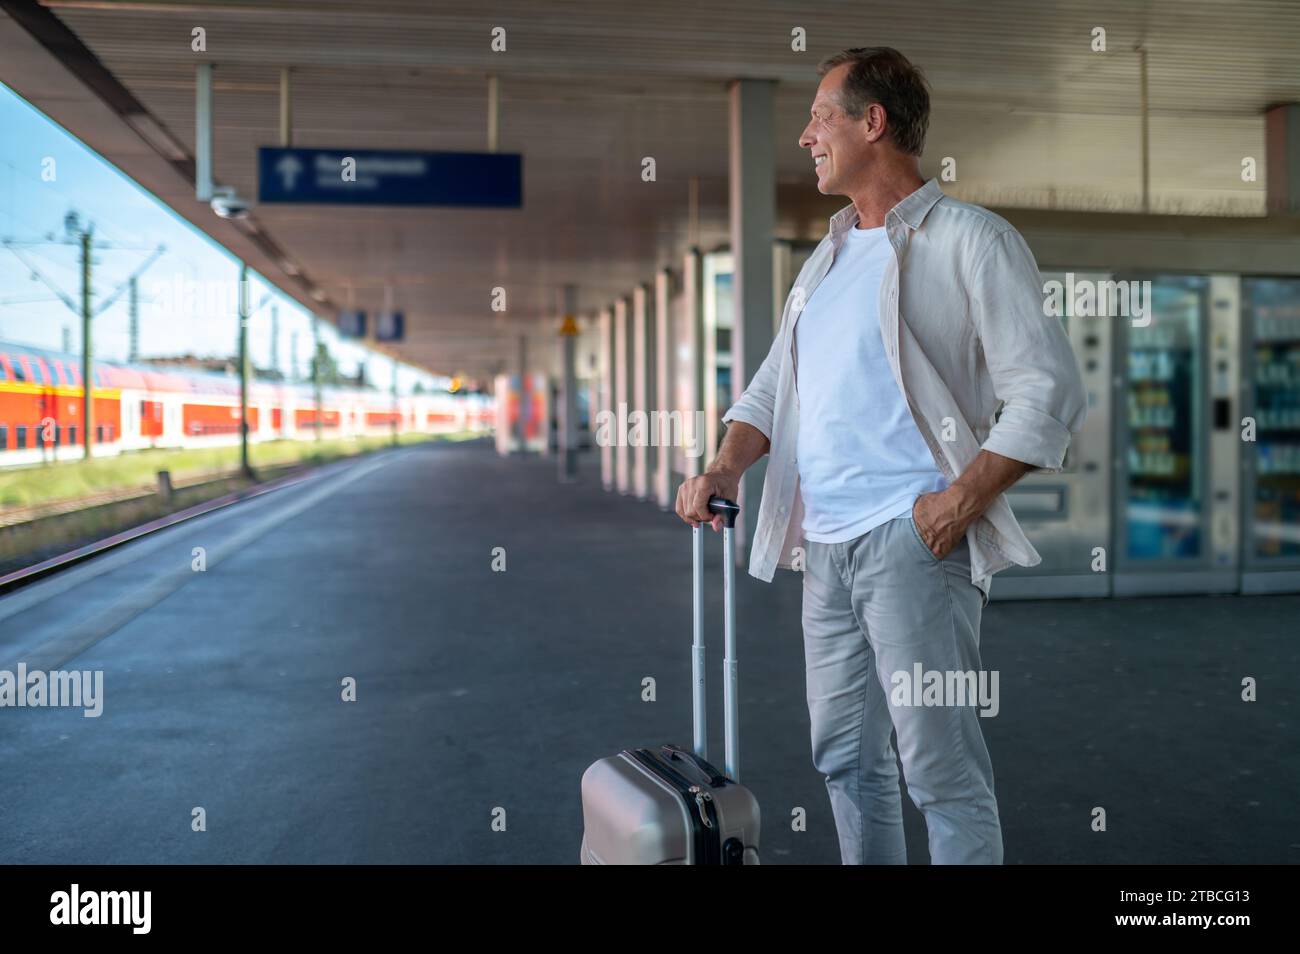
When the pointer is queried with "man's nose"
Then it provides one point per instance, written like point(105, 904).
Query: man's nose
point(805, 138)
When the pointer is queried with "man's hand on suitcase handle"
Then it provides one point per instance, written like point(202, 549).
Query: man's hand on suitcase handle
point(693, 497)
point(741, 446)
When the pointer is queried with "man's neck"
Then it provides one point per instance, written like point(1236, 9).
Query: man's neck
point(886, 190)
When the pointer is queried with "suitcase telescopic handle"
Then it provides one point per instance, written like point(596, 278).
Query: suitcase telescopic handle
point(728, 510)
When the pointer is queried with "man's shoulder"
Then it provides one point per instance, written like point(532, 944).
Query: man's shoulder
point(970, 220)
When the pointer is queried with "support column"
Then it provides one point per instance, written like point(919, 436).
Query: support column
point(693, 302)
point(643, 390)
point(665, 364)
point(395, 423)
point(1282, 157)
point(203, 133)
point(87, 345)
point(521, 419)
point(568, 409)
point(622, 393)
point(286, 108)
point(606, 411)
point(275, 338)
point(244, 464)
point(317, 422)
point(133, 326)
point(1144, 106)
point(753, 222)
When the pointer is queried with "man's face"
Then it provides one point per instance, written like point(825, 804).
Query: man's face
point(840, 146)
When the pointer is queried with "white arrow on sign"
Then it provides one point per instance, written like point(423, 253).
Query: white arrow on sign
point(288, 167)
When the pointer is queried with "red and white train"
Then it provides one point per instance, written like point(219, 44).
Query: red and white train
point(140, 406)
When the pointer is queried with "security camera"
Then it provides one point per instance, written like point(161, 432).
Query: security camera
point(228, 205)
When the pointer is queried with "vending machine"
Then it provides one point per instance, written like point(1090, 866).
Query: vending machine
point(1270, 435)
point(1177, 452)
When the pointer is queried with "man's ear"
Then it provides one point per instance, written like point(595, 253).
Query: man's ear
point(875, 117)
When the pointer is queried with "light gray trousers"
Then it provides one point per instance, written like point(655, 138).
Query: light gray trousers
point(872, 608)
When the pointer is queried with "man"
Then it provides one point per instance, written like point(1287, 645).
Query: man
point(914, 319)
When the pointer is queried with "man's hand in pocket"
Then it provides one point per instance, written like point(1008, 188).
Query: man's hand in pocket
point(939, 521)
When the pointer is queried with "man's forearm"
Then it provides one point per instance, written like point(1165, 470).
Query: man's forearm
point(979, 485)
point(741, 446)
point(942, 518)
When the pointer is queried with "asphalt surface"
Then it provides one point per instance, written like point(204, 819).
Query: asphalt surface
point(484, 694)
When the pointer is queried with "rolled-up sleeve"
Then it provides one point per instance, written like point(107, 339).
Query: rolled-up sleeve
point(756, 406)
point(1029, 358)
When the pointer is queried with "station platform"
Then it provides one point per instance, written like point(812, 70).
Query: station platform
point(479, 689)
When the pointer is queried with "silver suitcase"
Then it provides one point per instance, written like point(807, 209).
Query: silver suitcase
point(668, 805)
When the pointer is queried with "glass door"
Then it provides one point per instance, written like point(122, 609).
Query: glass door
point(1271, 544)
point(1160, 495)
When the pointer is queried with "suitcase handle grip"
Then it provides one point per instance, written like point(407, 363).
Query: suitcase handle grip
point(728, 509)
point(715, 778)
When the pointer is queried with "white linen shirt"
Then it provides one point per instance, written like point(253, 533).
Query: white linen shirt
point(965, 330)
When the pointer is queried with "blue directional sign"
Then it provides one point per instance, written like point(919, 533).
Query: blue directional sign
point(352, 324)
point(368, 177)
point(390, 326)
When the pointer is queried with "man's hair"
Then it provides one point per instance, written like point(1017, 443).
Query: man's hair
point(880, 74)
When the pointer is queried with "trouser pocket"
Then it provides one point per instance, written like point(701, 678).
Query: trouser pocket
point(916, 535)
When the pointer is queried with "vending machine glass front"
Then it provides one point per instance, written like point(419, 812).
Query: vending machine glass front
point(1272, 307)
point(1163, 408)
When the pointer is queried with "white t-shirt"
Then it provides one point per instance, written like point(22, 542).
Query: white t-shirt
point(862, 461)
